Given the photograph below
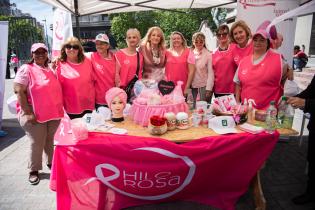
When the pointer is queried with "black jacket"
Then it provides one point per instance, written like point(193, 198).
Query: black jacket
point(309, 95)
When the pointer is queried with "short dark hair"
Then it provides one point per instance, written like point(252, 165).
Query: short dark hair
point(223, 28)
point(296, 47)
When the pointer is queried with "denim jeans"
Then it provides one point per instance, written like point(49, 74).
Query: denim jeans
point(298, 63)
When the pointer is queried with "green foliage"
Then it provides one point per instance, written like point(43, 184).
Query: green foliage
point(185, 21)
point(123, 21)
point(22, 34)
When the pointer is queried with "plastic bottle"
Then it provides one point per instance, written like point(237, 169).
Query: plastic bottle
point(251, 111)
point(288, 117)
point(271, 118)
point(190, 101)
point(281, 110)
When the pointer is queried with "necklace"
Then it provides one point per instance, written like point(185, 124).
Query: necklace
point(155, 56)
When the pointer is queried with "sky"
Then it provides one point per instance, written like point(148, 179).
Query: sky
point(38, 10)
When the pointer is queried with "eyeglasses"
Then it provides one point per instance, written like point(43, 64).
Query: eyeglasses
point(69, 47)
point(222, 34)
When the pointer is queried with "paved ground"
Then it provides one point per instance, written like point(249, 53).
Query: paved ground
point(282, 178)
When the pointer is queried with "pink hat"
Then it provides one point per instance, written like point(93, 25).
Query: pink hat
point(113, 92)
point(270, 30)
point(262, 32)
point(36, 46)
point(102, 38)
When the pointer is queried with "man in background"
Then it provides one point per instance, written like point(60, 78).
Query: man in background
point(300, 59)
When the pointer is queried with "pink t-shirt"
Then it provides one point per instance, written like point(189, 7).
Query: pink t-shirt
point(176, 68)
point(104, 73)
point(126, 67)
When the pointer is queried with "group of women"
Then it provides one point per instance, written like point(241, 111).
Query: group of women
point(77, 82)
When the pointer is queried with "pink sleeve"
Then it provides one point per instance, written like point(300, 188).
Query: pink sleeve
point(22, 75)
point(191, 57)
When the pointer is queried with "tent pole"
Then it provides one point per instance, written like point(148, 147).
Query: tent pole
point(77, 23)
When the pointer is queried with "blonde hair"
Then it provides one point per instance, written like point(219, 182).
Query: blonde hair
point(198, 35)
point(74, 41)
point(181, 35)
point(135, 31)
point(146, 38)
point(244, 26)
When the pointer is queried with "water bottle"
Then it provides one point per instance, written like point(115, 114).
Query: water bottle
point(190, 100)
point(271, 118)
point(281, 110)
point(288, 117)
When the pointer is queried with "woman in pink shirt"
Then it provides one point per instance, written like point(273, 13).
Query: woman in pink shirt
point(153, 50)
point(127, 60)
point(240, 35)
point(75, 73)
point(104, 66)
point(204, 78)
point(223, 63)
point(261, 75)
point(40, 107)
point(180, 62)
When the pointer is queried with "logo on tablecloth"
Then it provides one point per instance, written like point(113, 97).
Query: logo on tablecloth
point(157, 184)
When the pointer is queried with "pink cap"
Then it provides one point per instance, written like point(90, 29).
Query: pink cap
point(271, 30)
point(102, 38)
point(113, 92)
point(36, 46)
point(262, 32)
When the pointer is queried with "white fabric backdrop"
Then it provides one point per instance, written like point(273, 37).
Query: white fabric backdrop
point(62, 30)
point(3, 62)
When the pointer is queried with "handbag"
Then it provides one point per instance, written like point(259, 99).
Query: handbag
point(129, 87)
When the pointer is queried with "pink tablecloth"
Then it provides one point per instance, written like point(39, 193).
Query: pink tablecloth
point(113, 172)
point(141, 113)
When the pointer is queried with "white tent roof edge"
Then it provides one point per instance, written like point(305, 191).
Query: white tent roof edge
point(88, 7)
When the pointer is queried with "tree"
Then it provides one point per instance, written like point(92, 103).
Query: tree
point(123, 21)
point(185, 21)
point(23, 32)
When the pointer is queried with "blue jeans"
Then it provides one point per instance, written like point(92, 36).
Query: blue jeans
point(298, 63)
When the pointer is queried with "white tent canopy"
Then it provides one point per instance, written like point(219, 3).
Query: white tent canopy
point(87, 7)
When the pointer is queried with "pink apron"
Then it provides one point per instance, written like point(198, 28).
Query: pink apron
point(104, 71)
point(77, 86)
point(45, 94)
point(128, 67)
point(261, 82)
point(224, 69)
point(176, 68)
point(240, 53)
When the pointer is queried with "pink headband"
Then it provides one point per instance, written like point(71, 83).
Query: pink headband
point(112, 93)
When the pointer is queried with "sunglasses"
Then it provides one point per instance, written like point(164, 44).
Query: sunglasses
point(222, 34)
point(69, 47)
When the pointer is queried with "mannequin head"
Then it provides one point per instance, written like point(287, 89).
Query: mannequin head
point(116, 99)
